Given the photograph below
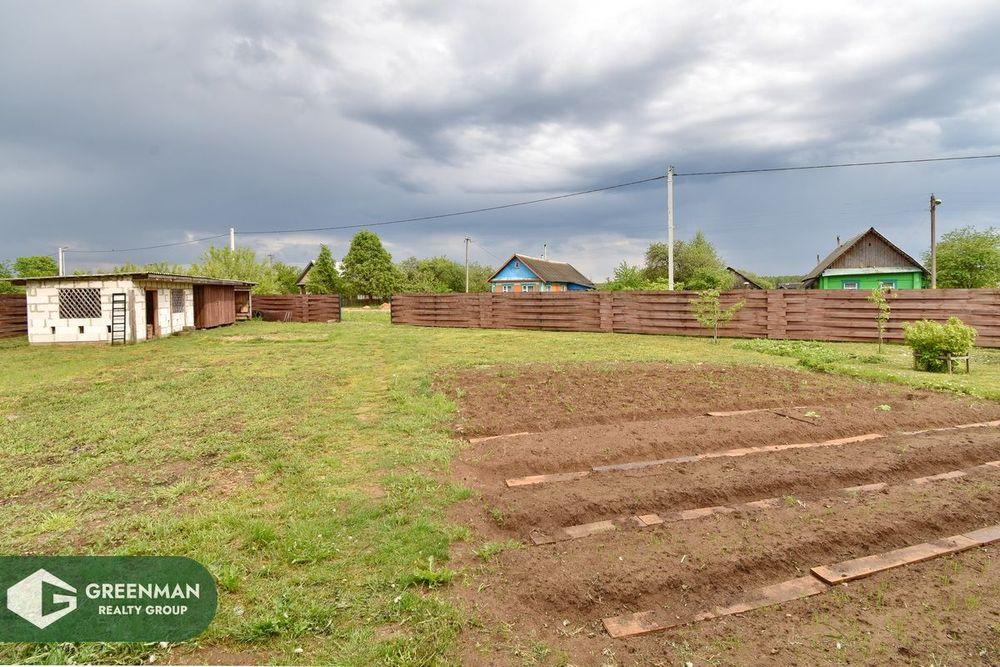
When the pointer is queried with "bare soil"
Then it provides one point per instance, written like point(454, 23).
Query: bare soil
point(549, 599)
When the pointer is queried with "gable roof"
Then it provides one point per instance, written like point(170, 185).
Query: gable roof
point(301, 282)
point(744, 278)
point(827, 261)
point(550, 272)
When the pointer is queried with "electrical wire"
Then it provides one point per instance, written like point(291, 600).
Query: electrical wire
point(837, 165)
point(540, 200)
point(439, 216)
point(151, 247)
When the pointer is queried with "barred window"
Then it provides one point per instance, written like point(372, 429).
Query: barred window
point(176, 301)
point(79, 303)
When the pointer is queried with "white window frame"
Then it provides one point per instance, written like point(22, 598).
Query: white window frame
point(507, 287)
point(851, 284)
point(527, 287)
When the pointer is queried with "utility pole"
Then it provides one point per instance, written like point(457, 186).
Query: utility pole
point(62, 261)
point(670, 227)
point(232, 239)
point(467, 239)
point(935, 202)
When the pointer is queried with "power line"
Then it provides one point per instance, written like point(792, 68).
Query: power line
point(457, 213)
point(838, 165)
point(151, 247)
point(486, 209)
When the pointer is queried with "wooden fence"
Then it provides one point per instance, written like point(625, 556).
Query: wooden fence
point(13, 315)
point(834, 315)
point(298, 307)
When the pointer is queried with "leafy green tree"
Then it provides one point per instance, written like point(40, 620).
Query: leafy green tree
point(286, 276)
point(631, 277)
point(241, 264)
point(5, 275)
point(968, 258)
point(440, 274)
point(696, 264)
point(323, 277)
point(708, 310)
point(35, 266)
point(368, 267)
point(879, 297)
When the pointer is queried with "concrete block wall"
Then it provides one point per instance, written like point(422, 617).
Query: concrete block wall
point(45, 325)
point(169, 323)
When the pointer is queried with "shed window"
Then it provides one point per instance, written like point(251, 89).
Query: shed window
point(176, 301)
point(77, 303)
point(851, 284)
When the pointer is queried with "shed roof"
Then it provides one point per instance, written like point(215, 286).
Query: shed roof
point(827, 261)
point(301, 282)
point(550, 272)
point(744, 278)
point(140, 275)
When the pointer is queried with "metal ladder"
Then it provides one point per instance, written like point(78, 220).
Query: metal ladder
point(119, 307)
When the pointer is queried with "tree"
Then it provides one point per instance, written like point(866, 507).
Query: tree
point(286, 276)
point(696, 264)
point(35, 266)
point(968, 258)
point(241, 264)
point(878, 297)
point(5, 275)
point(368, 267)
point(709, 311)
point(440, 274)
point(323, 277)
point(631, 277)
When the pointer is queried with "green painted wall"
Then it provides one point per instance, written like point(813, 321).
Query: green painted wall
point(869, 281)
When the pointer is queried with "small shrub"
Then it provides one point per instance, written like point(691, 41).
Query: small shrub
point(932, 340)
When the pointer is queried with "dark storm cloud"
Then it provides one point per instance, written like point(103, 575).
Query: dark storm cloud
point(133, 124)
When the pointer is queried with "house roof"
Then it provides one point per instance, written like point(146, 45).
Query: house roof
point(550, 272)
point(301, 282)
point(141, 275)
point(827, 261)
point(745, 278)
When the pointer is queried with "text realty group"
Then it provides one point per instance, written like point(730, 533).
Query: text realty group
point(132, 591)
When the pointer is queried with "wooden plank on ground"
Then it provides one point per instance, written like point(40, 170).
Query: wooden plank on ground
point(857, 568)
point(542, 479)
point(644, 622)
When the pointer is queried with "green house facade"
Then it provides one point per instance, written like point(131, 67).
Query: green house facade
point(867, 261)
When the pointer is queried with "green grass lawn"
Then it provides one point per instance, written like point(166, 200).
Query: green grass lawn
point(301, 463)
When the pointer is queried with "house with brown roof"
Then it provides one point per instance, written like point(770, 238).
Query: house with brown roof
point(865, 262)
point(742, 281)
point(522, 273)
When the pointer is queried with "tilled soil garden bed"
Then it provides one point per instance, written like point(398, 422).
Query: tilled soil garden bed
point(697, 511)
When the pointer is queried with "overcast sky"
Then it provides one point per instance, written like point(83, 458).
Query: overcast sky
point(133, 123)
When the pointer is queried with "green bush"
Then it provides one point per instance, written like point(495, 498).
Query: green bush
point(932, 340)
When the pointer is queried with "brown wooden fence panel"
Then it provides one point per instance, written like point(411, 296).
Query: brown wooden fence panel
point(834, 315)
point(297, 307)
point(13, 315)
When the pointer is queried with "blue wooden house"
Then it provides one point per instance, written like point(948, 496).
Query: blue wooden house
point(521, 273)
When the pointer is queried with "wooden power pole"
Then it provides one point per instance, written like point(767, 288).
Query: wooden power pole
point(467, 240)
point(935, 202)
point(670, 227)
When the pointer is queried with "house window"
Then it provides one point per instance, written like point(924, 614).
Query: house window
point(517, 265)
point(891, 284)
point(851, 284)
point(79, 303)
point(176, 301)
point(527, 287)
point(508, 287)
point(546, 288)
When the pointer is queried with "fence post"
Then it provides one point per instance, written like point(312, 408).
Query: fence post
point(485, 307)
point(605, 301)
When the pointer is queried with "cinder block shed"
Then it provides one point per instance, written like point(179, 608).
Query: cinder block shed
point(129, 307)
